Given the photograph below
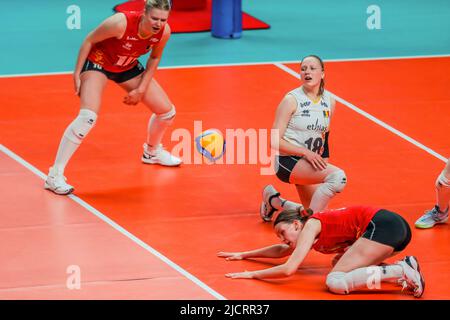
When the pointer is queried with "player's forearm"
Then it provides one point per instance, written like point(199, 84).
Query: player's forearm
point(286, 147)
point(280, 271)
point(82, 55)
point(147, 77)
point(274, 251)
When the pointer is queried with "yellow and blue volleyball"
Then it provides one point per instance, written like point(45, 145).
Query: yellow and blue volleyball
point(210, 144)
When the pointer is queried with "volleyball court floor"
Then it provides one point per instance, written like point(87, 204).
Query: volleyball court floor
point(136, 231)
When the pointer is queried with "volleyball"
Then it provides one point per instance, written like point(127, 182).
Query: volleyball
point(210, 144)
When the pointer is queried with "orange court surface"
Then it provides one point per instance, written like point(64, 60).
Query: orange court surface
point(135, 231)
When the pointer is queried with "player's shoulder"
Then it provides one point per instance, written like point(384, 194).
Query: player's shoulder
point(118, 17)
point(167, 29)
point(329, 98)
point(327, 95)
point(117, 21)
point(314, 224)
point(288, 103)
point(165, 33)
point(296, 92)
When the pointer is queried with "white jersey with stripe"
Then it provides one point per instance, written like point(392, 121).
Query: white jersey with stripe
point(309, 122)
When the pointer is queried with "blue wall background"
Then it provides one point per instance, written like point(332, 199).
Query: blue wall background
point(35, 38)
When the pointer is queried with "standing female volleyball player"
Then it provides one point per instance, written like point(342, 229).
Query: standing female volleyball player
point(303, 123)
point(362, 236)
point(111, 52)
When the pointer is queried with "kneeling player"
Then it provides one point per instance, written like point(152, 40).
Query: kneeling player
point(365, 236)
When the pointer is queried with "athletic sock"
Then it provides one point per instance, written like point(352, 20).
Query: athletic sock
point(283, 204)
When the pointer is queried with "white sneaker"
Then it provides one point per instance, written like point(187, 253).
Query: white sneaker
point(159, 156)
point(56, 182)
point(432, 217)
point(266, 210)
point(412, 277)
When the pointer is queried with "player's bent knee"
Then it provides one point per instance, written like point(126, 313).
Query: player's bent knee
point(442, 181)
point(80, 127)
point(168, 116)
point(337, 283)
point(336, 181)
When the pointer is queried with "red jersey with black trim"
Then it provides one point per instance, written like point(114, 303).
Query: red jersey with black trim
point(340, 228)
point(118, 55)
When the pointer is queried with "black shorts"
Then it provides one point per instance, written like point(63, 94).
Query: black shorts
point(284, 166)
point(389, 228)
point(117, 77)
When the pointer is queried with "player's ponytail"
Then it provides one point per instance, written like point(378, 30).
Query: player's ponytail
point(158, 4)
point(321, 87)
point(289, 216)
point(306, 213)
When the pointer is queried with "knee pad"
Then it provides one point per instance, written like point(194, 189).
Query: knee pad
point(164, 119)
point(337, 283)
point(336, 181)
point(80, 127)
point(442, 181)
point(168, 116)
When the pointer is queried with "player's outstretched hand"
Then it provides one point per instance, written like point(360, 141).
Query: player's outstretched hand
point(230, 255)
point(240, 275)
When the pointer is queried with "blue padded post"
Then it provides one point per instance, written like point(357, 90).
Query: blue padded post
point(226, 19)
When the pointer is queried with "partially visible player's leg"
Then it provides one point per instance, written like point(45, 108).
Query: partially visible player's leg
point(271, 199)
point(361, 265)
point(272, 202)
point(359, 268)
point(163, 115)
point(306, 192)
point(351, 271)
point(443, 189)
point(438, 214)
point(92, 86)
point(315, 187)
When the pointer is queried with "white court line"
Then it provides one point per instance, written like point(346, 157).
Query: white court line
point(240, 64)
point(372, 118)
point(117, 227)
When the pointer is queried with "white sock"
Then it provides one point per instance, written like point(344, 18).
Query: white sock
point(156, 129)
point(367, 277)
point(321, 198)
point(65, 151)
point(75, 132)
point(283, 204)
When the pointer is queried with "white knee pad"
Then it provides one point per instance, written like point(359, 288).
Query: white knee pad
point(442, 181)
point(164, 119)
point(336, 181)
point(80, 127)
point(168, 116)
point(337, 283)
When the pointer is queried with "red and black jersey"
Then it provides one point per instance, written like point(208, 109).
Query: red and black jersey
point(340, 228)
point(118, 55)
